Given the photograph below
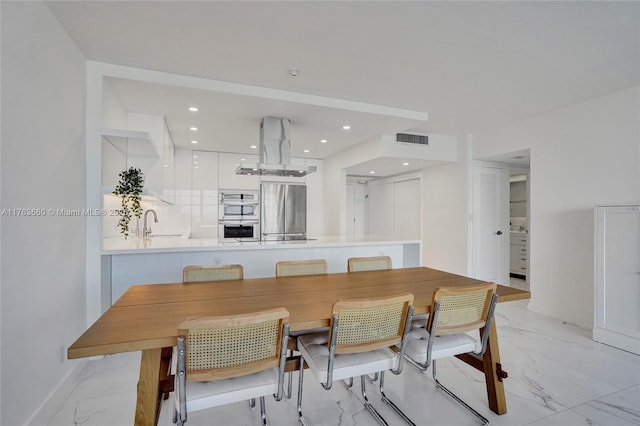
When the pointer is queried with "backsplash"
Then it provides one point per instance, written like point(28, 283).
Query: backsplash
point(172, 219)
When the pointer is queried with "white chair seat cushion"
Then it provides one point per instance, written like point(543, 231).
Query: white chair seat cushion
point(443, 346)
point(202, 395)
point(315, 352)
point(419, 321)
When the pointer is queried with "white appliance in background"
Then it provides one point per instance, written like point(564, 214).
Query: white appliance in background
point(283, 211)
point(239, 215)
point(617, 277)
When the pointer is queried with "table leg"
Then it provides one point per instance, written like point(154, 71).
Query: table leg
point(146, 405)
point(493, 373)
point(490, 365)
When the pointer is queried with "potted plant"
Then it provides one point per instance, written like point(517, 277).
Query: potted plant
point(129, 189)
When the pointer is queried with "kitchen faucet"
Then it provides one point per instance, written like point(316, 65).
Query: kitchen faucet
point(146, 231)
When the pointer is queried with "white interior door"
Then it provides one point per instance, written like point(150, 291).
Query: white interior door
point(618, 277)
point(355, 211)
point(490, 236)
point(351, 216)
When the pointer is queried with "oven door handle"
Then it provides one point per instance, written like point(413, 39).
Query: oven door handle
point(239, 203)
point(238, 222)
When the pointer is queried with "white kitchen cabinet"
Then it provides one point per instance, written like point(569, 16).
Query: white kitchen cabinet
point(617, 277)
point(315, 201)
point(227, 177)
point(159, 179)
point(204, 194)
point(146, 145)
point(518, 254)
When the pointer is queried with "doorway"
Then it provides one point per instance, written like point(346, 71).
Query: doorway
point(356, 208)
point(501, 220)
point(518, 228)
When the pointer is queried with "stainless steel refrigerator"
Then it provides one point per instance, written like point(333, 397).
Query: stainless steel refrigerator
point(283, 211)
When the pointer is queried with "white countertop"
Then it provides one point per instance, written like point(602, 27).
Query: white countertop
point(171, 244)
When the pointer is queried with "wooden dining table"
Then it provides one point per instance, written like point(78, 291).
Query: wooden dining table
point(146, 318)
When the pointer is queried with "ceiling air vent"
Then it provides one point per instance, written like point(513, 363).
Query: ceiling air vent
point(415, 139)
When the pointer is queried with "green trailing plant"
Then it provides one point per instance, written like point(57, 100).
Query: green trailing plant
point(129, 189)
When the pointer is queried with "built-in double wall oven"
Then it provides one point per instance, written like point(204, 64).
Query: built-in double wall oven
point(239, 215)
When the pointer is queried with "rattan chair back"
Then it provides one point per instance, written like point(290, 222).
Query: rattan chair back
point(289, 268)
point(192, 274)
point(223, 347)
point(461, 309)
point(374, 263)
point(366, 325)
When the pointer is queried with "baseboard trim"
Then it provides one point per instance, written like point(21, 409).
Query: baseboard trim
point(57, 396)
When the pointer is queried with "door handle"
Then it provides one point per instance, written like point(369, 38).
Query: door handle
point(499, 233)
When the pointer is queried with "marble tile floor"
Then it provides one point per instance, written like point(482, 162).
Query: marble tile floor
point(557, 376)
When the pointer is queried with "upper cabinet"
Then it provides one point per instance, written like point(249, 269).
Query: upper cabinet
point(147, 145)
point(228, 179)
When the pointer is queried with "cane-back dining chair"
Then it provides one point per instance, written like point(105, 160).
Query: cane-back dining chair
point(192, 274)
point(361, 340)
point(221, 360)
point(288, 268)
point(455, 311)
point(292, 268)
point(374, 263)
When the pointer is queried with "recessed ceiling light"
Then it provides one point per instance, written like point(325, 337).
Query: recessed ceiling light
point(253, 147)
point(195, 156)
point(165, 165)
point(346, 127)
point(194, 129)
point(193, 109)
point(196, 167)
point(405, 164)
point(194, 142)
point(306, 150)
point(195, 162)
point(323, 141)
point(372, 172)
point(243, 159)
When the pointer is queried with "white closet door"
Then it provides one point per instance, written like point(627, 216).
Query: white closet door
point(618, 277)
point(406, 207)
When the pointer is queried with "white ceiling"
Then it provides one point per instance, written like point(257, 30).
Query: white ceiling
point(469, 65)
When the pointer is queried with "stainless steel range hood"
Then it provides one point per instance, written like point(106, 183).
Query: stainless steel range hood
point(275, 152)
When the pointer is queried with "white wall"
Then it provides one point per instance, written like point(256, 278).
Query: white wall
point(445, 217)
point(43, 166)
point(442, 148)
point(335, 185)
point(581, 155)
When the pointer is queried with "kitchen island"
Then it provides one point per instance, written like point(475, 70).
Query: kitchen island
point(160, 259)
